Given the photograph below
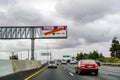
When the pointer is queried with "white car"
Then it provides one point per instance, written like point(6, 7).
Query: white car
point(72, 62)
point(64, 62)
point(52, 64)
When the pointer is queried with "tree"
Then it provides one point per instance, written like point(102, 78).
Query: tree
point(115, 48)
point(80, 56)
point(86, 56)
point(101, 55)
point(94, 55)
point(14, 56)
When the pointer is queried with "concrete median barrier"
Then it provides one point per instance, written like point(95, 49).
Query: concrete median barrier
point(23, 65)
point(13, 66)
point(5, 67)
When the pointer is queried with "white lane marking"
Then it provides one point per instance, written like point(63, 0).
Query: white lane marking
point(71, 74)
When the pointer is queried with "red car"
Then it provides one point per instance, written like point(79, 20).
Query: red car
point(87, 66)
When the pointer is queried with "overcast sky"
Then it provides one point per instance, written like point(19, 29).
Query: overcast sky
point(92, 24)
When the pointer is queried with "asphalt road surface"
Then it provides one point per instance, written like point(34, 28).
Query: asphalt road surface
point(67, 72)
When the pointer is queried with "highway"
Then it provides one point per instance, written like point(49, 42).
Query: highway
point(67, 72)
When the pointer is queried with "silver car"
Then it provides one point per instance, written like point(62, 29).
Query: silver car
point(72, 62)
point(64, 62)
point(52, 64)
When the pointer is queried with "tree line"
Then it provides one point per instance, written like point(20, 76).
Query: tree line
point(114, 53)
point(92, 55)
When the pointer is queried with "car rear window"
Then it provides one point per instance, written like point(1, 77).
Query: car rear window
point(88, 61)
point(52, 62)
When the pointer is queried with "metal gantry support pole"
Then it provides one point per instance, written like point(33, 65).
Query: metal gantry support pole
point(32, 49)
point(32, 44)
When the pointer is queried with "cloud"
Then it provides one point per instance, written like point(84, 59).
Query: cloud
point(87, 10)
point(6, 3)
point(21, 16)
point(22, 12)
point(92, 20)
point(91, 23)
point(103, 29)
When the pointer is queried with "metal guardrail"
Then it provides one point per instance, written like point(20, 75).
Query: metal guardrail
point(111, 64)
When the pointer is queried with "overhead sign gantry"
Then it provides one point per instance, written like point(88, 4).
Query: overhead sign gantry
point(33, 32)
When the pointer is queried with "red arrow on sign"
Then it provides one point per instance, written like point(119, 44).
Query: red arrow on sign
point(53, 31)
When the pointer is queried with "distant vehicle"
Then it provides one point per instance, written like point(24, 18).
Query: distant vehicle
point(72, 62)
point(68, 61)
point(98, 63)
point(58, 62)
point(52, 64)
point(63, 62)
point(87, 66)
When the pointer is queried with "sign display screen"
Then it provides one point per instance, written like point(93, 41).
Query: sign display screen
point(54, 31)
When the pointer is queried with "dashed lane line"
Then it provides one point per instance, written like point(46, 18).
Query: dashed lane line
point(71, 74)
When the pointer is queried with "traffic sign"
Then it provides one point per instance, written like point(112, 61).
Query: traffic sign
point(45, 54)
point(54, 31)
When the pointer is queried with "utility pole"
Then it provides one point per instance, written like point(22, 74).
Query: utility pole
point(36, 56)
point(28, 54)
point(21, 56)
point(47, 52)
point(50, 56)
point(12, 53)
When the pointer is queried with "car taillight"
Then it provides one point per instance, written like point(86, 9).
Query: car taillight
point(96, 66)
point(83, 66)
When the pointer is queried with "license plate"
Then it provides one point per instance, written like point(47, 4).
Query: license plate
point(90, 66)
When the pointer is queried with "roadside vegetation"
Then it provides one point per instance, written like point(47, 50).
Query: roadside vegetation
point(95, 55)
point(13, 56)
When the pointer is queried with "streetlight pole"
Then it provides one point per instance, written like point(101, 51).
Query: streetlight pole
point(21, 56)
point(50, 55)
point(28, 54)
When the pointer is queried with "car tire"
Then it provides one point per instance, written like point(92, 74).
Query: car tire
point(76, 71)
point(96, 73)
point(79, 72)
